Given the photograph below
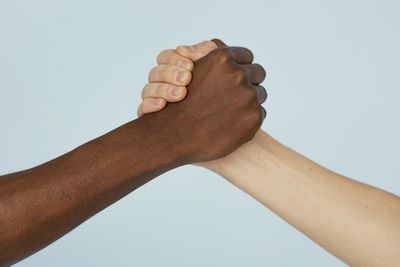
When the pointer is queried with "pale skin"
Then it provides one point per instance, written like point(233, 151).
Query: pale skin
point(357, 223)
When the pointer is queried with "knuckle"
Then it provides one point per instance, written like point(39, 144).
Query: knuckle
point(248, 97)
point(252, 97)
point(254, 118)
point(144, 91)
point(151, 90)
point(160, 56)
point(158, 90)
point(145, 107)
point(264, 113)
point(251, 55)
point(262, 94)
point(152, 73)
point(166, 73)
point(261, 70)
point(164, 55)
point(247, 54)
point(239, 75)
point(223, 54)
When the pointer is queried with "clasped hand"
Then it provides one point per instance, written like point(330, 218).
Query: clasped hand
point(221, 109)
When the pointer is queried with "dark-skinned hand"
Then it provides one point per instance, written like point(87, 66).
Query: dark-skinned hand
point(222, 108)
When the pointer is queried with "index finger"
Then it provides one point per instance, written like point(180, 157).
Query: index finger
point(242, 55)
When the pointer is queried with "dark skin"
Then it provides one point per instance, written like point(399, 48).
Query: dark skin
point(39, 205)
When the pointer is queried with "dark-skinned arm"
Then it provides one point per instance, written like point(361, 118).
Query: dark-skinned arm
point(39, 205)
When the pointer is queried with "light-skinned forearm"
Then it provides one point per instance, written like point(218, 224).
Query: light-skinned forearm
point(357, 223)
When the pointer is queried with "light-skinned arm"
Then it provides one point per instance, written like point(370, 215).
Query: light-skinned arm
point(357, 223)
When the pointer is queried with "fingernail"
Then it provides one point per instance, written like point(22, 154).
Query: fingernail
point(184, 64)
point(181, 76)
point(176, 91)
point(156, 102)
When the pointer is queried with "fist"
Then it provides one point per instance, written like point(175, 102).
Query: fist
point(168, 80)
point(222, 108)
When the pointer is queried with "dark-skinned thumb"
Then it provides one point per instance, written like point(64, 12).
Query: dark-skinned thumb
point(219, 43)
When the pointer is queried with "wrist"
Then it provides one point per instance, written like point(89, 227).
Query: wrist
point(142, 144)
point(250, 154)
point(162, 139)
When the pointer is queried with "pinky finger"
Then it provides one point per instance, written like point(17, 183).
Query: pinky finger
point(264, 113)
point(150, 105)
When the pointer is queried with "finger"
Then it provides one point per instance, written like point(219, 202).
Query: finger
point(171, 57)
point(219, 43)
point(264, 112)
point(242, 55)
point(256, 73)
point(261, 94)
point(150, 105)
point(170, 74)
point(197, 51)
point(166, 91)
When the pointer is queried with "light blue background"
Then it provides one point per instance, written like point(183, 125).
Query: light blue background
point(73, 70)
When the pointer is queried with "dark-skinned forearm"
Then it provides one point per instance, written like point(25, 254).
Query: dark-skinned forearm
point(41, 204)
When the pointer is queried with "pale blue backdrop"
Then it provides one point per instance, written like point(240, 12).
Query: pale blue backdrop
point(73, 70)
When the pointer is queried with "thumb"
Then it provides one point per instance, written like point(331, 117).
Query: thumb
point(219, 43)
point(196, 51)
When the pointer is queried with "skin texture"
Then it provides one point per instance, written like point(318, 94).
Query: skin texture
point(355, 222)
point(228, 75)
point(170, 89)
point(41, 204)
